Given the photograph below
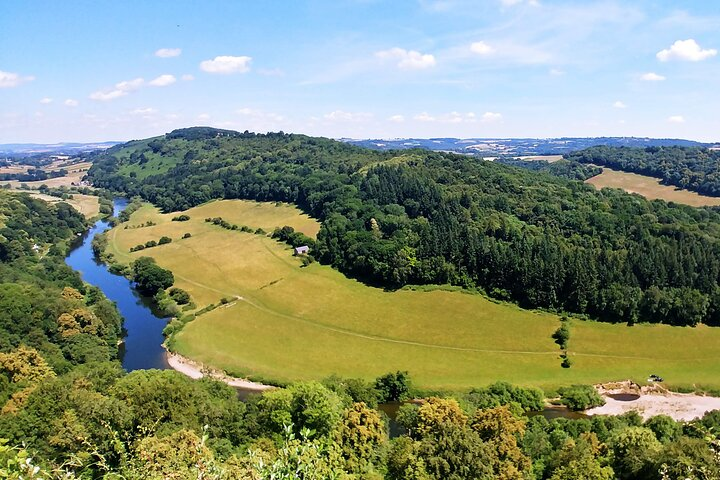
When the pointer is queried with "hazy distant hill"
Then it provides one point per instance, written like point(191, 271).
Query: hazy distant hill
point(519, 146)
point(26, 149)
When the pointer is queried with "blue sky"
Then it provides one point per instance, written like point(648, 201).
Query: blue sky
point(91, 70)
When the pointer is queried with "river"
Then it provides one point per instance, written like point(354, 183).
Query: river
point(143, 326)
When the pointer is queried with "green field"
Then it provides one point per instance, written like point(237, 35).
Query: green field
point(289, 322)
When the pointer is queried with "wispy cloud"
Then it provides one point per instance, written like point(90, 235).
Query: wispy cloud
point(46, 100)
point(143, 111)
point(163, 81)
point(651, 77)
point(407, 59)
point(168, 52)
point(119, 90)
point(343, 116)
point(481, 48)
point(491, 117)
point(619, 104)
point(226, 64)
point(71, 102)
point(9, 79)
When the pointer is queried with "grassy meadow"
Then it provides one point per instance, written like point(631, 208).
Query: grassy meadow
point(289, 322)
point(650, 188)
point(88, 205)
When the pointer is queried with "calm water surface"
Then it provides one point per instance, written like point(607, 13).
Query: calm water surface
point(143, 326)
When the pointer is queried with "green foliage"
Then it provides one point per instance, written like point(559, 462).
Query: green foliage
point(394, 387)
point(307, 405)
point(299, 458)
point(353, 390)
point(526, 399)
point(562, 336)
point(580, 397)
point(181, 218)
point(180, 296)
point(633, 452)
point(360, 436)
point(150, 277)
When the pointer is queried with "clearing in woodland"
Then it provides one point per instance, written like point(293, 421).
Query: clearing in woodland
point(288, 322)
point(650, 188)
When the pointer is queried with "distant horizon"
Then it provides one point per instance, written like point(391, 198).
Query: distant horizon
point(72, 142)
point(361, 69)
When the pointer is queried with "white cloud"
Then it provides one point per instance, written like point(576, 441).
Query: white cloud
point(104, 96)
point(407, 59)
point(187, 77)
point(342, 116)
point(120, 90)
point(225, 64)
point(687, 50)
point(143, 111)
point(130, 85)
point(203, 117)
point(168, 52)
point(71, 102)
point(676, 119)
point(46, 100)
point(163, 81)
point(491, 117)
point(652, 77)
point(9, 80)
point(481, 48)
point(619, 104)
point(452, 117)
point(397, 118)
point(424, 117)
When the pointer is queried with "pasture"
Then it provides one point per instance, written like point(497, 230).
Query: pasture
point(88, 205)
point(288, 322)
point(74, 176)
point(650, 188)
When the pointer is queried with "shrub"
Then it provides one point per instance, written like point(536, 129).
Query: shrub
point(180, 296)
point(187, 235)
point(181, 218)
point(562, 335)
point(581, 397)
point(164, 240)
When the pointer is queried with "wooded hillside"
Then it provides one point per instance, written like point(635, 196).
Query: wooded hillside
point(419, 217)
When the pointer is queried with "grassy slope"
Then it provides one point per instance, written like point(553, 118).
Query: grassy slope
point(301, 323)
point(88, 205)
point(650, 188)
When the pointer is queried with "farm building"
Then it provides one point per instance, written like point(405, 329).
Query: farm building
point(303, 250)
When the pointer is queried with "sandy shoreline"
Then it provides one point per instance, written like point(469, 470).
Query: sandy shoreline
point(651, 401)
point(196, 370)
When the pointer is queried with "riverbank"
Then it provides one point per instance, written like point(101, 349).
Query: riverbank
point(648, 401)
point(196, 370)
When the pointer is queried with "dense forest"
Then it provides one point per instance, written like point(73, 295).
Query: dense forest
point(419, 217)
point(691, 168)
